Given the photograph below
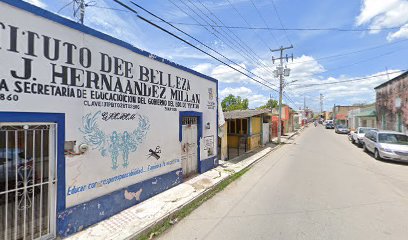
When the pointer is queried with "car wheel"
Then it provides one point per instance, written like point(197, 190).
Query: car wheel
point(377, 154)
point(365, 148)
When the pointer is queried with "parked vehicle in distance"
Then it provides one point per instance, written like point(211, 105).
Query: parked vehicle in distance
point(341, 129)
point(386, 145)
point(358, 135)
point(329, 125)
point(12, 163)
point(328, 121)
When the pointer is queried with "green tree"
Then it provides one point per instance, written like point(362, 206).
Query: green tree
point(231, 103)
point(270, 104)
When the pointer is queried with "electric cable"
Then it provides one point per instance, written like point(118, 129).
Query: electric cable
point(205, 45)
point(348, 80)
point(249, 53)
point(242, 17)
point(280, 21)
point(264, 21)
point(188, 43)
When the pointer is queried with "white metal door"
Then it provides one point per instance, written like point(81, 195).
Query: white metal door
point(265, 133)
point(27, 180)
point(189, 146)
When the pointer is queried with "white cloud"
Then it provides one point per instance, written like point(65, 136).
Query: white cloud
point(402, 33)
point(228, 75)
point(223, 73)
point(373, 8)
point(305, 66)
point(343, 93)
point(204, 68)
point(38, 3)
point(255, 100)
point(384, 14)
point(241, 91)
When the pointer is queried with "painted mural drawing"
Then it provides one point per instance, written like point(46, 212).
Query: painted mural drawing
point(116, 145)
point(154, 153)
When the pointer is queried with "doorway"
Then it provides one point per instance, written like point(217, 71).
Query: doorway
point(189, 146)
point(27, 180)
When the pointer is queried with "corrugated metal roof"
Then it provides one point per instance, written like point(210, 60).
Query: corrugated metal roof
point(244, 113)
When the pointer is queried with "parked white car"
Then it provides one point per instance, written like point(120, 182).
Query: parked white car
point(358, 135)
point(386, 145)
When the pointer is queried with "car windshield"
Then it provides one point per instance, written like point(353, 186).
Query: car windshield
point(341, 126)
point(393, 138)
point(365, 130)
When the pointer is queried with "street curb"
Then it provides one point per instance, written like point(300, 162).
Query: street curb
point(171, 214)
point(174, 212)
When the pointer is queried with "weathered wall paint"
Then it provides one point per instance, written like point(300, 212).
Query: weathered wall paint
point(392, 100)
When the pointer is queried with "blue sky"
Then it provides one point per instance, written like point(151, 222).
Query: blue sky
point(319, 56)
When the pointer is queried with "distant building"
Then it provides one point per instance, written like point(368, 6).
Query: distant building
point(340, 113)
point(327, 115)
point(247, 130)
point(392, 104)
point(364, 116)
point(287, 121)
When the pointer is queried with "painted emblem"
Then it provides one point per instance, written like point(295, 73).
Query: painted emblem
point(115, 144)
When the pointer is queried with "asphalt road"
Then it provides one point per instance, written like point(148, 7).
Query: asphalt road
point(320, 186)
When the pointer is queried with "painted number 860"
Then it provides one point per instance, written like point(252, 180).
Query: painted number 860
point(8, 97)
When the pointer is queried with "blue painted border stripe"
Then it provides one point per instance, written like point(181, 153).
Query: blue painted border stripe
point(208, 164)
point(71, 24)
point(78, 217)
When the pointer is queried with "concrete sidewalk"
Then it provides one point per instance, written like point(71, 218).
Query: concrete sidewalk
point(137, 220)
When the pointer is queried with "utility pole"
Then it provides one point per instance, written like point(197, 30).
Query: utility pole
point(280, 72)
point(81, 11)
point(321, 103)
point(388, 75)
point(304, 102)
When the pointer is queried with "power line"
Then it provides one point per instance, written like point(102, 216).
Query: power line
point(185, 41)
point(66, 5)
point(244, 46)
point(246, 53)
point(238, 40)
point(290, 99)
point(154, 15)
point(280, 21)
point(114, 9)
point(352, 52)
point(250, 54)
point(242, 17)
point(290, 29)
point(351, 64)
point(348, 80)
point(78, 6)
point(264, 21)
point(337, 29)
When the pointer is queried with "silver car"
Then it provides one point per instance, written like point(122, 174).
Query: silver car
point(358, 136)
point(386, 145)
point(341, 129)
